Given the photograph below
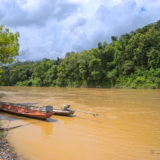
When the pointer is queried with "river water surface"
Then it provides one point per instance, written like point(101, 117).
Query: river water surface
point(126, 125)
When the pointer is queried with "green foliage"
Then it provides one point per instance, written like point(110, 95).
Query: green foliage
point(129, 61)
point(1, 133)
point(9, 46)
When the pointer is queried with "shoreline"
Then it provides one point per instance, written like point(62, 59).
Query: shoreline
point(7, 152)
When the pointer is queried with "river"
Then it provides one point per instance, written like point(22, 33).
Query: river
point(126, 125)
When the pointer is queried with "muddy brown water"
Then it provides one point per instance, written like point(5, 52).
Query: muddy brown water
point(127, 126)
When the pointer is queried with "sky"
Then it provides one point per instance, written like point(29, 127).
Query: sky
point(51, 28)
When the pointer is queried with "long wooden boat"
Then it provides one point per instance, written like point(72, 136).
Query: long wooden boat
point(64, 112)
point(27, 110)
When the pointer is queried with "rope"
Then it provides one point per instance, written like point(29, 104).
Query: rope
point(93, 114)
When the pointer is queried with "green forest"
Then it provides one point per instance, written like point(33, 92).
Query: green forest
point(129, 61)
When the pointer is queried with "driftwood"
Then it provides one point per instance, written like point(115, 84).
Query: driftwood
point(9, 128)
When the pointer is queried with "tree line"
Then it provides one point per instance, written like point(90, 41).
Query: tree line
point(130, 61)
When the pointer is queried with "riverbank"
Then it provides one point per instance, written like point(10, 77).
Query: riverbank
point(6, 150)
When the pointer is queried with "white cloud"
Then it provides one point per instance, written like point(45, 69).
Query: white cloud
point(50, 28)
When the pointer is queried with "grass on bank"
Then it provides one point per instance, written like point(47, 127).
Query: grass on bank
point(1, 132)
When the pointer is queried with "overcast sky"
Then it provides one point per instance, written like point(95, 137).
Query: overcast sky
point(50, 28)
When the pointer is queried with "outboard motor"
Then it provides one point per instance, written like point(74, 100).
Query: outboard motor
point(67, 106)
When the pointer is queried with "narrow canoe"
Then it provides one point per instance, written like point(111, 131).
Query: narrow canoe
point(63, 112)
point(27, 110)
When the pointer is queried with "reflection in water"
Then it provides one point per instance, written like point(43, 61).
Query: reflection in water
point(46, 127)
point(126, 125)
point(7, 117)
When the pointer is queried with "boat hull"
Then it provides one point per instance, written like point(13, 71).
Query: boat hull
point(25, 111)
point(63, 112)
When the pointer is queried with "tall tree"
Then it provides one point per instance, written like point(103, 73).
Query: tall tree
point(9, 46)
